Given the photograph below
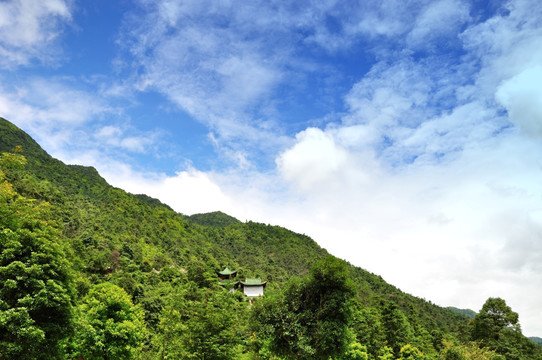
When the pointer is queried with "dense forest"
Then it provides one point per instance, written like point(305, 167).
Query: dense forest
point(88, 271)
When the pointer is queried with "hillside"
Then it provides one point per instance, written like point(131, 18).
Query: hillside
point(215, 219)
point(167, 262)
point(471, 314)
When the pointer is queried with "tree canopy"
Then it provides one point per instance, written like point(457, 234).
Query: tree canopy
point(36, 292)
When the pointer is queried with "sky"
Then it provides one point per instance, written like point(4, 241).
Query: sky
point(402, 136)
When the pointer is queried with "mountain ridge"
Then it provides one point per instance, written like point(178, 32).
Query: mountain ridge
point(141, 245)
point(86, 181)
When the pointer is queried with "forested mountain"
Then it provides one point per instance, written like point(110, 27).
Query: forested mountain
point(471, 314)
point(90, 271)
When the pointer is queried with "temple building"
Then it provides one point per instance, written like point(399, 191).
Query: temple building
point(253, 287)
point(227, 278)
point(250, 287)
point(227, 274)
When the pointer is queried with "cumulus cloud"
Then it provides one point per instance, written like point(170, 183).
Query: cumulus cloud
point(315, 158)
point(522, 97)
point(445, 172)
point(28, 30)
point(477, 216)
point(188, 192)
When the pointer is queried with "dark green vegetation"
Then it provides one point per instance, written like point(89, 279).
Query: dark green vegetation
point(467, 312)
point(217, 219)
point(90, 271)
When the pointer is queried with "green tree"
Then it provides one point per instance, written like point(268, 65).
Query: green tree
point(468, 351)
point(493, 318)
point(497, 327)
point(199, 324)
point(396, 327)
point(355, 351)
point(368, 330)
point(36, 290)
point(310, 319)
point(110, 326)
point(386, 353)
point(409, 352)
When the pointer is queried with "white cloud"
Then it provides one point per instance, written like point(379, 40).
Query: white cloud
point(522, 97)
point(438, 19)
point(116, 136)
point(455, 232)
point(314, 159)
point(66, 118)
point(206, 68)
point(411, 111)
point(228, 65)
point(188, 192)
point(52, 111)
point(505, 45)
point(29, 28)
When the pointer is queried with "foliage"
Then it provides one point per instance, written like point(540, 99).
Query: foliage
point(215, 219)
point(396, 327)
point(110, 326)
point(497, 327)
point(35, 286)
point(309, 319)
point(468, 351)
point(466, 312)
point(368, 329)
point(409, 352)
point(355, 351)
point(493, 319)
point(200, 324)
point(386, 353)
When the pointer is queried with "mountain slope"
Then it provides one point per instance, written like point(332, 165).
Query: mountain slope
point(100, 219)
point(215, 219)
point(143, 246)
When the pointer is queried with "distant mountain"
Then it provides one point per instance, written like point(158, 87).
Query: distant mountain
point(215, 219)
point(536, 340)
point(466, 312)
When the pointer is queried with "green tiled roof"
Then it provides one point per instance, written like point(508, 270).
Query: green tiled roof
point(256, 281)
point(227, 271)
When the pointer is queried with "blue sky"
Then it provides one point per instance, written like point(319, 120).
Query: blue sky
point(403, 136)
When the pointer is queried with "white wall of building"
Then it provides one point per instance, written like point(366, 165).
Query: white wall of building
point(253, 290)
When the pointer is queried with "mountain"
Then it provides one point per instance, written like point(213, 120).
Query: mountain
point(167, 265)
point(101, 218)
point(466, 312)
point(215, 219)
